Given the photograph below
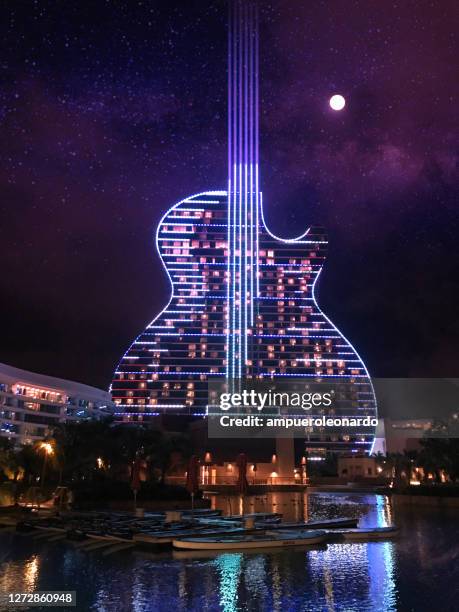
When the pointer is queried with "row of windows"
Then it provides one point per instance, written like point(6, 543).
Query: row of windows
point(289, 335)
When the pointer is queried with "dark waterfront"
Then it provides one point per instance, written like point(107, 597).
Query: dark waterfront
point(417, 571)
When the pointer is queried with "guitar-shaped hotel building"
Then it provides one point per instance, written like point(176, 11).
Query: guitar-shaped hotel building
point(243, 301)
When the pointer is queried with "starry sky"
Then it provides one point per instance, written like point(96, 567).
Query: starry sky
point(112, 111)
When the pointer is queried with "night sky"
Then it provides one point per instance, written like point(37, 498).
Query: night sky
point(110, 112)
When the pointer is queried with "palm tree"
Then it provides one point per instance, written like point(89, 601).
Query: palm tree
point(27, 459)
point(440, 454)
point(160, 452)
point(6, 456)
point(79, 446)
point(401, 465)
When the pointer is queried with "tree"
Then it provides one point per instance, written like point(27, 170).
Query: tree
point(160, 452)
point(79, 445)
point(439, 454)
point(401, 465)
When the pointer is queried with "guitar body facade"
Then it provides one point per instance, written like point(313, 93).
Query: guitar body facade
point(167, 368)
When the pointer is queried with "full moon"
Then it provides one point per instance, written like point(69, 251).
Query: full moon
point(337, 102)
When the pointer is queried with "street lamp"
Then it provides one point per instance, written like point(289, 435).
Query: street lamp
point(48, 450)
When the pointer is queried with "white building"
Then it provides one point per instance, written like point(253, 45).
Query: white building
point(32, 404)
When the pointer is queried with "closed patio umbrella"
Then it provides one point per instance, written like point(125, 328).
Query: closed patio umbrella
point(242, 484)
point(192, 478)
point(135, 479)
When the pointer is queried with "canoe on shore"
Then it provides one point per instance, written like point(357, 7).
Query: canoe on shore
point(242, 542)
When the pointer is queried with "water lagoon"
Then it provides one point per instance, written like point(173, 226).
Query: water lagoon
point(417, 571)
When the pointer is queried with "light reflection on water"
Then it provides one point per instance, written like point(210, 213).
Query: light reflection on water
point(414, 572)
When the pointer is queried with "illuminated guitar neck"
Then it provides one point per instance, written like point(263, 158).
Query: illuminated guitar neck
point(243, 181)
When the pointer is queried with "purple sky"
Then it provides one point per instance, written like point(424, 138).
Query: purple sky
point(111, 112)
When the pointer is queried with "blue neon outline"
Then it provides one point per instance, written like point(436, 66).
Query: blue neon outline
point(297, 240)
point(352, 347)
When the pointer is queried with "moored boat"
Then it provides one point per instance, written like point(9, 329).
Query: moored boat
point(241, 542)
point(167, 537)
point(370, 533)
point(256, 516)
point(324, 524)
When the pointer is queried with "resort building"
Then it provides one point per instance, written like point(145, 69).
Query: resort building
point(31, 404)
point(243, 307)
point(170, 368)
point(356, 467)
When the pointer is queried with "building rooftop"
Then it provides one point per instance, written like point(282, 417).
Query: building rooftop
point(12, 375)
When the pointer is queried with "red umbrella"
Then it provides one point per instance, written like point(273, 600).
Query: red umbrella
point(192, 478)
point(242, 484)
point(135, 475)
